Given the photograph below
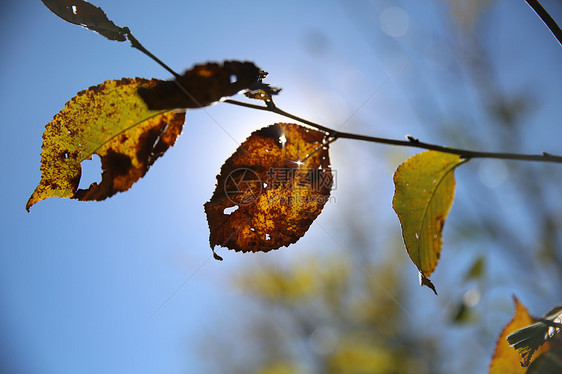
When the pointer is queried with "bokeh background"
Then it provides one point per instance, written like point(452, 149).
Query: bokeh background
point(129, 285)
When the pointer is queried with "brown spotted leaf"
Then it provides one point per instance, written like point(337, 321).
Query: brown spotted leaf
point(506, 360)
point(80, 12)
point(109, 120)
point(270, 190)
point(424, 193)
point(202, 85)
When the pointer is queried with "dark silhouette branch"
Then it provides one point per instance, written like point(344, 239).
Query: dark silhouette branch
point(136, 44)
point(410, 142)
point(274, 109)
point(547, 19)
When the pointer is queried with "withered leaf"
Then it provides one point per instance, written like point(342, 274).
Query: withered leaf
point(506, 360)
point(83, 13)
point(270, 190)
point(529, 338)
point(261, 91)
point(202, 85)
point(109, 120)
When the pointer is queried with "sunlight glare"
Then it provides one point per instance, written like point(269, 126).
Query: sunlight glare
point(283, 140)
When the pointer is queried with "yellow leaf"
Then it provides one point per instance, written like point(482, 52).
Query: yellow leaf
point(506, 359)
point(109, 120)
point(425, 189)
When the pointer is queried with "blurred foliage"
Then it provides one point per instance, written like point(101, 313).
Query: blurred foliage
point(331, 316)
point(338, 317)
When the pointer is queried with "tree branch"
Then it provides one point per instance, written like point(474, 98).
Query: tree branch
point(546, 18)
point(411, 142)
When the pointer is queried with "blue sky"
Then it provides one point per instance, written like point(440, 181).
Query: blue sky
point(80, 282)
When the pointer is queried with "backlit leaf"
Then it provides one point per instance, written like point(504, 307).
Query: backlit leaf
point(202, 85)
point(80, 12)
point(270, 190)
point(424, 193)
point(549, 361)
point(109, 120)
point(529, 338)
point(262, 91)
point(506, 360)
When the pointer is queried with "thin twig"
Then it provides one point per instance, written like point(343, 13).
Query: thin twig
point(274, 109)
point(464, 153)
point(547, 19)
point(334, 134)
point(411, 142)
point(136, 44)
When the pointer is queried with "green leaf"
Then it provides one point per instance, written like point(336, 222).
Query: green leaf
point(424, 193)
point(476, 270)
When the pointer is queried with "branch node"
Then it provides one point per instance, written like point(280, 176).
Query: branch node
point(411, 139)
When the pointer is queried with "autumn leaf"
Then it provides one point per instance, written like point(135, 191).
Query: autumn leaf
point(549, 361)
point(262, 91)
point(424, 193)
point(80, 12)
point(529, 338)
point(202, 85)
point(270, 190)
point(109, 120)
point(506, 360)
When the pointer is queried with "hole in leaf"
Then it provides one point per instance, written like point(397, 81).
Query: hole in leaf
point(267, 237)
point(252, 229)
point(229, 210)
point(91, 172)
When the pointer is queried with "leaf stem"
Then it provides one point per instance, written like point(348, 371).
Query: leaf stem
point(410, 142)
point(547, 19)
point(136, 44)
